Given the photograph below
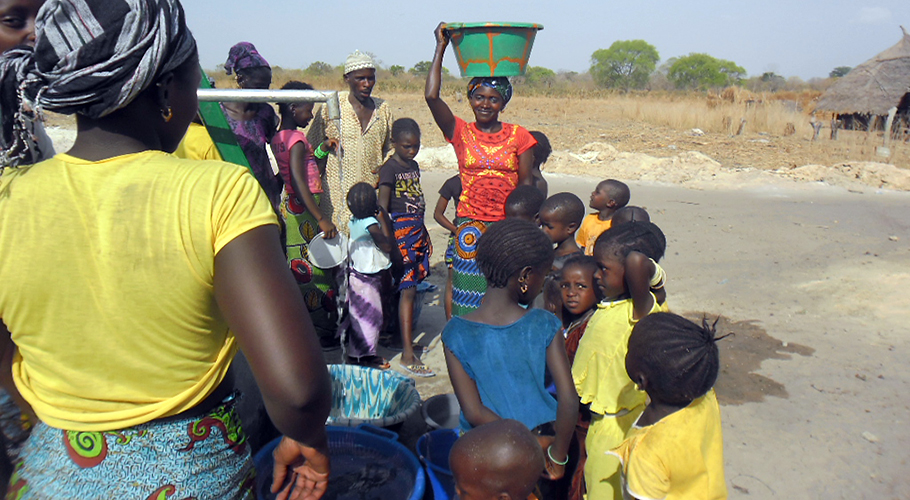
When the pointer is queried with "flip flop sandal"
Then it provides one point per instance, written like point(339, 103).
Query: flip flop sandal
point(377, 362)
point(419, 369)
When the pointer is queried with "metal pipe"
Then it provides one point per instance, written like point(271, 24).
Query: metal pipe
point(330, 97)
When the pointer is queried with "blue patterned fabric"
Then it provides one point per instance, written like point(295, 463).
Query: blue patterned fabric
point(199, 457)
point(508, 364)
point(468, 282)
point(367, 395)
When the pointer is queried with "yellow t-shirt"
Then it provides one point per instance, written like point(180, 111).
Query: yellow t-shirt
point(197, 144)
point(107, 272)
point(679, 457)
point(591, 228)
point(599, 369)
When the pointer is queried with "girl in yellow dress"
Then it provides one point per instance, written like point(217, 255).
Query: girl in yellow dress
point(623, 276)
point(675, 450)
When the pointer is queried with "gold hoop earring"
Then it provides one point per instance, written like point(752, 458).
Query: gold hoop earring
point(523, 285)
point(167, 114)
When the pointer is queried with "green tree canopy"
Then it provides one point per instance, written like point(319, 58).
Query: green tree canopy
point(839, 71)
point(319, 68)
point(702, 71)
point(627, 64)
point(423, 69)
point(396, 69)
point(538, 75)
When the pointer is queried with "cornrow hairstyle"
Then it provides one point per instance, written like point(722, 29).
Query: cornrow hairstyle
point(284, 107)
point(362, 200)
point(621, 240)
point(509, 246)
point(524, 201)
point(542, 149)
point(678, 357)
point(630, 213)
point(566, 206)
point(404, 126)
point(583, 261)
point(618, 191)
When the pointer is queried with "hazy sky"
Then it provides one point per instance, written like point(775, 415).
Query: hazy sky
point(805, 38)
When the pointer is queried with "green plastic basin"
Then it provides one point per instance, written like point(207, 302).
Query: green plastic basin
point(492, 49)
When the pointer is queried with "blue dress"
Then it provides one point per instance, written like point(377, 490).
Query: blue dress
point(508, 364)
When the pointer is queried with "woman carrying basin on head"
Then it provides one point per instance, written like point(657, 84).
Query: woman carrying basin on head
point(493, 158)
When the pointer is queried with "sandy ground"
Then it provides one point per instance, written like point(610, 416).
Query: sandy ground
point(811, 276)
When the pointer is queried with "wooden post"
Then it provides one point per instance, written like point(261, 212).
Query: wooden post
point(888, 124)
point(742, 126)
point(817, 127)
point(834, 125)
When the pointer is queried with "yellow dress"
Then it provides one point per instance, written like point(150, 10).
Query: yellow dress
point(602, 383)
point(679, 457)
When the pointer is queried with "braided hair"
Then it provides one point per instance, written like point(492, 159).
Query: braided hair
point(635, 236)
point(403, 126)
point(284, 107)
point(678, 357)
point(630, 213)
point(362, 200)
point(542, 149)
point(509, 246)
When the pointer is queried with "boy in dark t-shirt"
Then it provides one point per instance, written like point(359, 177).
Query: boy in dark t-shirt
point(450, 190)
point(402, 197)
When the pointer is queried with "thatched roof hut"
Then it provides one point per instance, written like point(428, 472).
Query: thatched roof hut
point(875, 86)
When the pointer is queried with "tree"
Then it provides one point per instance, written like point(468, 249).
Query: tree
point(423, 69)
point(319, 68)
point(535, 75)
point(396, 69)
point(701, 71)
point(627, 64)
point(839, 71)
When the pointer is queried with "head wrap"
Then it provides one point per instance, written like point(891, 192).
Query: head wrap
point(500, 84)
point(358, 60)
point(90, 57)
point(242, 56)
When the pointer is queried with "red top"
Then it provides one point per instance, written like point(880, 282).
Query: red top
point(488, 166)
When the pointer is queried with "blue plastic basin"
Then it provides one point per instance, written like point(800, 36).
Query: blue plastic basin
point(367, 462)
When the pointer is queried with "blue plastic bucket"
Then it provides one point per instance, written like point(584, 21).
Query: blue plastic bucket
point(367, 462)
point(434, 448)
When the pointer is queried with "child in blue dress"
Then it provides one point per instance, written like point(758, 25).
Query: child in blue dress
point(497, 354)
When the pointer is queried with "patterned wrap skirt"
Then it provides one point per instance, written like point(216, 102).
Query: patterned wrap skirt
point(204, 456)
point(468, 282)
point(364, 319)
point(317, 285)
point(415, 247)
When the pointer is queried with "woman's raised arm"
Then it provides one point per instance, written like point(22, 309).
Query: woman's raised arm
point(441, 112)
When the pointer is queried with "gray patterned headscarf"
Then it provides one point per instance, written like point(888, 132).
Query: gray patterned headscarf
point(91, 57)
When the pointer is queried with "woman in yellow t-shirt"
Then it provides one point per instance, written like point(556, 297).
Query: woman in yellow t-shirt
point(675, 450)
point(122, 343)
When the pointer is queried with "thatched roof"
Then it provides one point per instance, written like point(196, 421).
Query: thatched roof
point(874, 86)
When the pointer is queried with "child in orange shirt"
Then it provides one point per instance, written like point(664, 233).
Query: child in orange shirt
point(609, 196)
